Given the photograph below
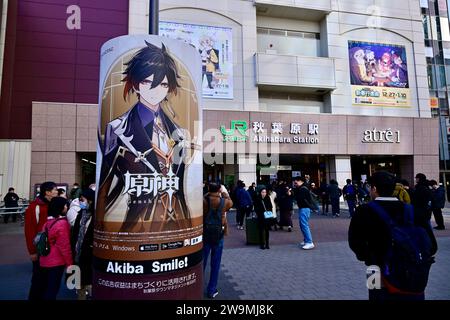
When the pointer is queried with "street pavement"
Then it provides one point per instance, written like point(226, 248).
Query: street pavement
point(284, 272)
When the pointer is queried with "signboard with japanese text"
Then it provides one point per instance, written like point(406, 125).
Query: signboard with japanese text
point(378, 74)
point(148, 228)
point(215, 47)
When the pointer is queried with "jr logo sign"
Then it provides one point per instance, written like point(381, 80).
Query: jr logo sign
point(231, 135)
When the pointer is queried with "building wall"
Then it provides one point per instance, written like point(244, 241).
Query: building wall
point(52, 62)
point(15, 167)
point(3, 19)
point(237, 14)
point(59, 131)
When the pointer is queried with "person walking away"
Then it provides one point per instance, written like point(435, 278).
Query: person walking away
point(11, 200)
point(263, 204)
point(304, 202)
point(244, 205)
point(373, 236)
point(286, 204)
point(422, 199)
point(325, 197)
point(400, 192)
point(215, 226)
point(335, 194)
point(438, 204)
point(252, 191)
point(60, 256)
point(349, 192)
point(35, 218)
point(82, 243)
point(75, 192)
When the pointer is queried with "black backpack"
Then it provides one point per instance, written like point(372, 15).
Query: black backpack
point(212, 223)
point(41, 240)
point(409, 259)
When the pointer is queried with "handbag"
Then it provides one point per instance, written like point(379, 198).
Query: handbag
point(267, 214)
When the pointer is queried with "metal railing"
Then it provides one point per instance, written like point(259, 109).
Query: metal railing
point(19, 211)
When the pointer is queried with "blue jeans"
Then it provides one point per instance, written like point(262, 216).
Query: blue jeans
point(351, 207)
point(216, 257)
point(303, 217)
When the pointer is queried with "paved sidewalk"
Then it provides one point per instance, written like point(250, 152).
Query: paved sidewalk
point(330, 271)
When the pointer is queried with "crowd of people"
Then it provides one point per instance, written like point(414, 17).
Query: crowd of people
point(369, 236)
point(67, 223)
point(66, 217)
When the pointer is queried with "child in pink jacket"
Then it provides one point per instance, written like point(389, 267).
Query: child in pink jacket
point(60, 255)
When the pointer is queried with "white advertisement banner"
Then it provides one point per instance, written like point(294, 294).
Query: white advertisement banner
point(215, 47)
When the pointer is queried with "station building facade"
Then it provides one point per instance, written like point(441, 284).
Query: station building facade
point(333, 89)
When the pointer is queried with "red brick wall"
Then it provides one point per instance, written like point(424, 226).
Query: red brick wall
point(49, 62)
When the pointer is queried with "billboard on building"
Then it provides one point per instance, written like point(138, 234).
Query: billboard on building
point(378, 74)
point(149, 210)
point(215, 47)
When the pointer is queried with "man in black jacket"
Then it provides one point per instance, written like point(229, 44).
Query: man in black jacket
point(11, 201)
point(438, 204)
point(370, 237)
point(304, 201)
point(422, 199)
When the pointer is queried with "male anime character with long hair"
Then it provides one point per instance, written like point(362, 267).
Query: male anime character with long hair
point(144, 151)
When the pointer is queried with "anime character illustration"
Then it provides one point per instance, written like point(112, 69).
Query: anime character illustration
point(399, 73)
point(371, 63)
point(141, 164)
point(358, 66)
point(210, 59)
point(384, 68)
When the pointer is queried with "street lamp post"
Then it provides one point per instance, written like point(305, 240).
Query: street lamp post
point(153, 17)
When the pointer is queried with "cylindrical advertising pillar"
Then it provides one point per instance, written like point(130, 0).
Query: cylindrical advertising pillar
point(148, 219)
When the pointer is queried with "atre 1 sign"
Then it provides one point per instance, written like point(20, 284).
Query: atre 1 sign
point(381, 136)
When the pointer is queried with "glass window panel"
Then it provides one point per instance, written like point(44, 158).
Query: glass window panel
point(434, 28)
point(442, 5)
point(426, 26)
point(292, 45)
point(424, 3)
point(445, 33)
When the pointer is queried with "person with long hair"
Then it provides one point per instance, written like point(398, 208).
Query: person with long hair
point(262, 204)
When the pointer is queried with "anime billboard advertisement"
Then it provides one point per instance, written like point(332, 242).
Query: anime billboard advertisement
point(215, 47)
point(148, 219)
point(378, 74)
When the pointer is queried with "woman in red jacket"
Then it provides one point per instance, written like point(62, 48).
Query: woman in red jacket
point(60, 256)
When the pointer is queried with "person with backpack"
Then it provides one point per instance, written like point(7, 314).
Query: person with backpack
point(35, 218)
point(304, 201)
point(215, 226)
point(60, 255)
point(383, 233)
point(349, 192)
